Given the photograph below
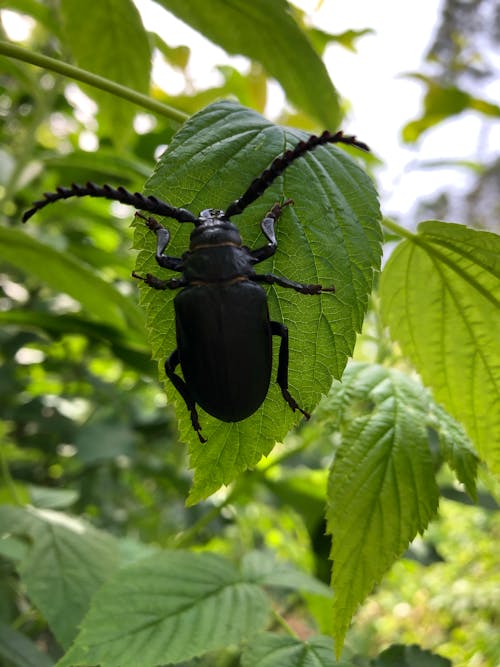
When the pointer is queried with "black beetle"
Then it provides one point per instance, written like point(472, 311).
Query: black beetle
point(224, 333)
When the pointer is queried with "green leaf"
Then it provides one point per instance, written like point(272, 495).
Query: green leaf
point(167, 608)
point(66, 564)
point(381, 490)
point(270, 650)
point(330, 236)
point(440, 297)
point(109, 39)
point(49, 498)
point(267, 32)
point(19, 651)
point(263, 568)
point(409, 656)
point(442, 102)
point(347, 39)
point(455, 447)
point(63, 273)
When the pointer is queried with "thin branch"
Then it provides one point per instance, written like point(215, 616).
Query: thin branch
point(54, 65)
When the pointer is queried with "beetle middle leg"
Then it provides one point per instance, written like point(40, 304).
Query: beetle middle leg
point(271, 279)
point(170, 366)
point(158, 283)
point(278, 329)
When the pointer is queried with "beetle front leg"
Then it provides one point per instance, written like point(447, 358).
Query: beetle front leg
point(278, 329)
point(271, 279)
point(267, 226)
point(170, 366)
point(163, 239)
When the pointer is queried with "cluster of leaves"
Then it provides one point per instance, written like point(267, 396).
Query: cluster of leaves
point(87, 433)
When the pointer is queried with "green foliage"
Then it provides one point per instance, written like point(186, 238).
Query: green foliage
point(441, 102)
point(332, 230)
point(111, 553)
point(267, 33)
point(99, 39)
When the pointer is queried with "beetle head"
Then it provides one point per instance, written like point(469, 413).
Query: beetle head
point(214, 228)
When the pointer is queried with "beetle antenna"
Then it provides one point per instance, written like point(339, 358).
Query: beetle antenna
point(278, 166)
point(121, 194)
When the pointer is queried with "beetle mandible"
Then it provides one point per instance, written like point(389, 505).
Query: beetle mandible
point(223, 329)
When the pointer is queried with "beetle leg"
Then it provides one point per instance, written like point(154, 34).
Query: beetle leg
point(158, 283)
point(278, 329)
point(170, 366)
point(270, 278)
point(267, 226)
point(163, 238)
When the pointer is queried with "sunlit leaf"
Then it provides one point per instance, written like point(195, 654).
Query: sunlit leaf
point(440, 297)
point(382, 490)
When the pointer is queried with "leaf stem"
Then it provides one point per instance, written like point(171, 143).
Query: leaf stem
point(186, 537)
point(397, 229)
point(280, 621)
point(78, 74)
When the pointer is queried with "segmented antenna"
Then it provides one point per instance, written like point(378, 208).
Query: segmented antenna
point(121, 194)
point(278, 166)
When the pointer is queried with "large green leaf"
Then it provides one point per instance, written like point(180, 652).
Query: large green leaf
point(167, 608)
point(330, 236)
point(63, 273)
point(268, 33)
point(66, 563)
point(108, 38)
point(382, 489)
point(440, 297)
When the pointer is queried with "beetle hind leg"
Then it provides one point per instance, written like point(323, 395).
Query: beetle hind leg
point(170, 366)
point(278, 329)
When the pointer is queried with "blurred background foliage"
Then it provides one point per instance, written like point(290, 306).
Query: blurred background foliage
point(85, 425)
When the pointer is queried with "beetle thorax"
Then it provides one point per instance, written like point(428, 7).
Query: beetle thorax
point(214, 231)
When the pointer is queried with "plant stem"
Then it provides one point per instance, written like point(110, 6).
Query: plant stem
point(394, 227)
point(280, 621)
point(54, 65)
